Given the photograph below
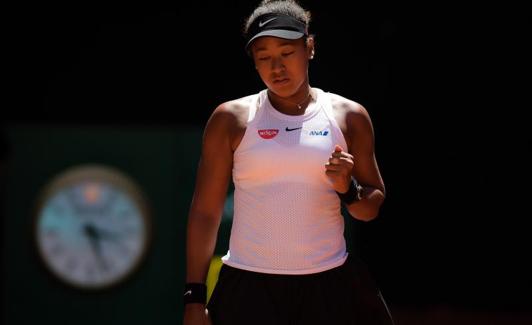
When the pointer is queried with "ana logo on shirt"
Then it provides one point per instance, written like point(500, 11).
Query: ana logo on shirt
point(268, 133)
point(322, 133)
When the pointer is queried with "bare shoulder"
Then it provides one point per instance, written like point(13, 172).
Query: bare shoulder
point(345, 105)
point(350, 115)
point(232, 112)
point(230, 118)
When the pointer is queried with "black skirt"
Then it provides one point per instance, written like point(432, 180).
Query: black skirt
point(343, 295)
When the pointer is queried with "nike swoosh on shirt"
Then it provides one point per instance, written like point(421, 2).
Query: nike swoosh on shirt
point(288, 130)
point(262, 23)
point(189, 292)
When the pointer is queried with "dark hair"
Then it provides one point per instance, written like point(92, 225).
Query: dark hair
point(287, 7)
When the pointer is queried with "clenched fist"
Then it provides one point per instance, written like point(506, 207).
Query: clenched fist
point(339, 168)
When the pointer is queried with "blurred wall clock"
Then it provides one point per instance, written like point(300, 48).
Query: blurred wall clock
point(92, 227)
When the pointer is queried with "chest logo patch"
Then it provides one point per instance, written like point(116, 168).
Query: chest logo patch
point(322, 133)
point(268, 133)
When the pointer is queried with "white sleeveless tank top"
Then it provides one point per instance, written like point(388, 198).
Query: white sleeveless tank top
point(287, 217)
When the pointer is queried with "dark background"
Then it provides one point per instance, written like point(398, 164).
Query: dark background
point(446, 86)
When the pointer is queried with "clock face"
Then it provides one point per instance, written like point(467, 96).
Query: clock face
point(92, 228)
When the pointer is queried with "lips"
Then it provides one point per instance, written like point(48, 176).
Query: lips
point(280, 80)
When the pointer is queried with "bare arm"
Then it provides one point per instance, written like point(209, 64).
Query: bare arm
point(365, 168)
point(358, 161)
point(212, 181)
point(221, 137)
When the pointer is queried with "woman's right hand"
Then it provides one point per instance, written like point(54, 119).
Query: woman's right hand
point(196, 314)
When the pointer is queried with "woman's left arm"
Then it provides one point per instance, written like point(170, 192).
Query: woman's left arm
point(357, 161)
point(365, 168)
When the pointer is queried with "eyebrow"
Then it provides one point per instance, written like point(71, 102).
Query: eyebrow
point(285, 43)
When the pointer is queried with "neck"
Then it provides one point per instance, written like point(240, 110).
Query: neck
point(292, 105)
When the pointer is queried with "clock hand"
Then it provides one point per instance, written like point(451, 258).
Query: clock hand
point(114, 237)
point(107, 234)
point(94, 239)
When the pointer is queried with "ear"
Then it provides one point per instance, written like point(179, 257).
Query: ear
point(310, 47)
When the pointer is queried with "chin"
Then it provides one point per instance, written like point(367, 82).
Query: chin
point(283, 90)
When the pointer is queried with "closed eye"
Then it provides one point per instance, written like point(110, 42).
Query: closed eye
point(287, 54)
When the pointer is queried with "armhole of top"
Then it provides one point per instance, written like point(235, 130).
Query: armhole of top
point(253, 114)
point(327, 106)
point(253, 107)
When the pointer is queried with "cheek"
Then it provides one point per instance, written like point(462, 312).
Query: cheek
point(299, 66)
point(260, 66)
point(303, 64)
point(263, 71)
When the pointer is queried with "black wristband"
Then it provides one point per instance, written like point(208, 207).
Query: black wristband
point(352, 194)
point(195, 293)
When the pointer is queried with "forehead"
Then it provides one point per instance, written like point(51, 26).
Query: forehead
point(272, 42)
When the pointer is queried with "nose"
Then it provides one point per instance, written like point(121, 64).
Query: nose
point(277, 64)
